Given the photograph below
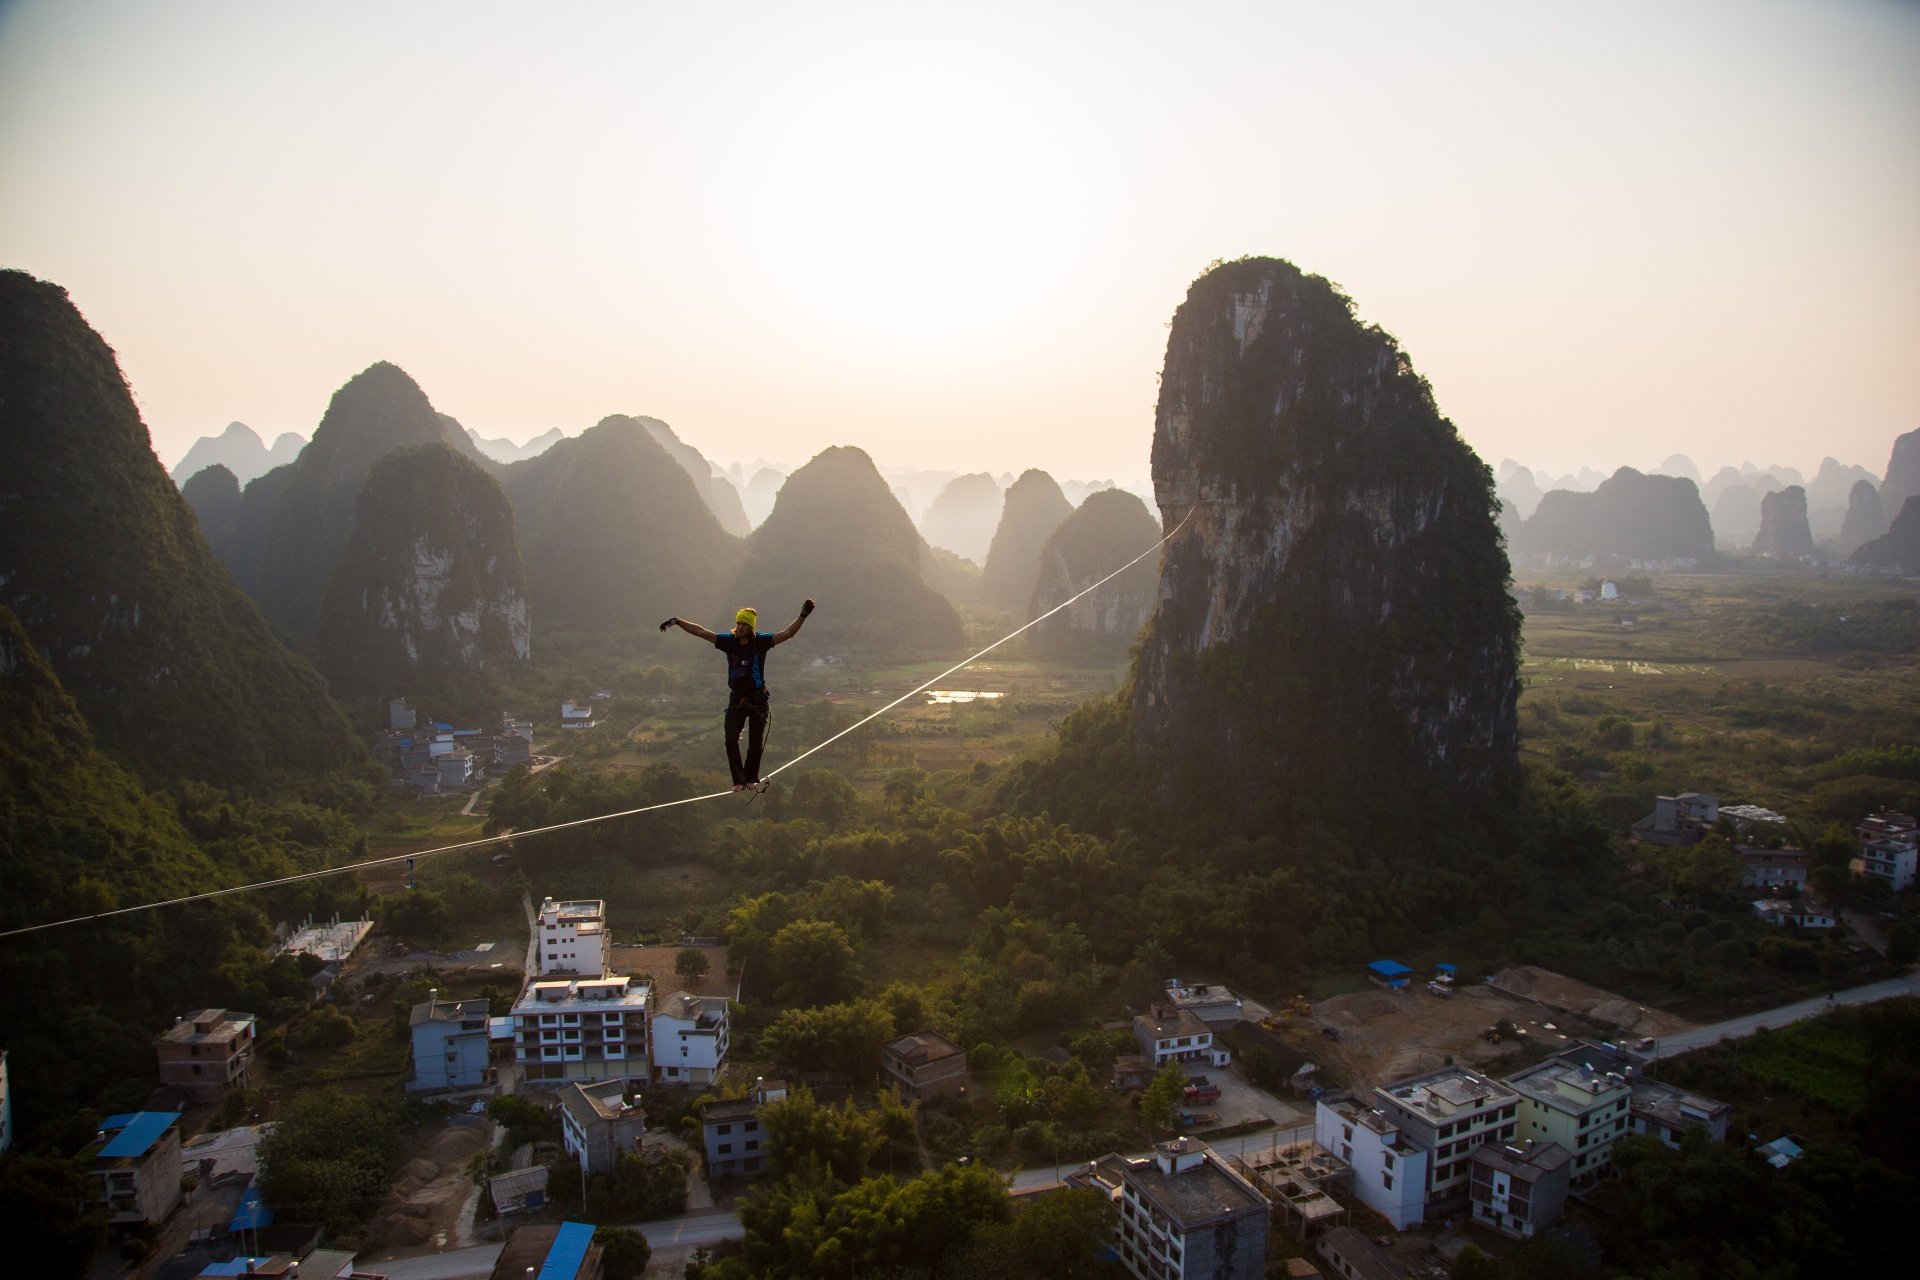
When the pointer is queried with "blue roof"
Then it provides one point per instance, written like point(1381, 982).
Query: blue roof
point(568, 1252)
point(1446, 968)
point(252, 1213)
point(120, 1121)
point(443, 726)
point(231, 1267)
point(1389, 968)
point(140, 1133)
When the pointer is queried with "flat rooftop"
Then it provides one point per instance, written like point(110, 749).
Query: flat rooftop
point(1570, 1085)
point(1443, 1094)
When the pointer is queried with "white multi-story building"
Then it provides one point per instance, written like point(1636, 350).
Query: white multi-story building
point(1167, 1033)
point(1447, 1113)
point(690, 1038)
point(572, 937)
point(1389, 1170)
point(582, 1029)
point(1893, 861)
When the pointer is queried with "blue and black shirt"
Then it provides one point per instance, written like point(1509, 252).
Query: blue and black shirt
point(746, 663)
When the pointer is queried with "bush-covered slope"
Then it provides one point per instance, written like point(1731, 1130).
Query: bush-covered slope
point(104, 564)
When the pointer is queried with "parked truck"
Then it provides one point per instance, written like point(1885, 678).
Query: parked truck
point(1201, 1089)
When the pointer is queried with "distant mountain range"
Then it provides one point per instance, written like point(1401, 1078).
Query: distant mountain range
point(240, 450)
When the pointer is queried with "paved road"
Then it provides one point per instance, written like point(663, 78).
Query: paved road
point(476, 1263)
point(1736, 1028)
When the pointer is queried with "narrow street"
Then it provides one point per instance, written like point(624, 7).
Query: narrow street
point(1736, 1028)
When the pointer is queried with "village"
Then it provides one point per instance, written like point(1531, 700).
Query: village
point(1386, 1121)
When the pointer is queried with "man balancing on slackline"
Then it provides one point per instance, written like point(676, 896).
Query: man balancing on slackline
point(747, 704)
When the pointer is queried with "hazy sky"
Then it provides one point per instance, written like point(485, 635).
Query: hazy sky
point(954, 234)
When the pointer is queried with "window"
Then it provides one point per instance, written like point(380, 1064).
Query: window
point(725, 1148)
point(725, 1128)
point(1389, 1159)
point(1386, 1180)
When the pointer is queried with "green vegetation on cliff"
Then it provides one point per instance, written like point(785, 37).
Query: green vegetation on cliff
point(104, 564)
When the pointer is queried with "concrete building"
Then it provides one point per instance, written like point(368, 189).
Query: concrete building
point(1794, 913)
point(1349, 1254)
point(572, 937)
point(456, 768)
point(1681, 819)
point(1577, 1103)
point(1214, 1005)
point(510, 749)
point(1886, 824)
point(582, 1029)
point(450, 1042)
point(1774, 869)
point(1447, 1113)
point(1389, 1170)
point(400, 716)
point(1520, 1189)
point(598, 1125)
point(691, 1038)
point(136, 1160)
point(1893, 861)
point(925, 1065)
point(576, 715)
point(731, 1134)
point(1184, 1212)
point(207, 1053)
point(1168, 1033)
point(1666, 1111)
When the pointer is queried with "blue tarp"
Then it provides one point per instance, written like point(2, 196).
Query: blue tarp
point(1388, 969)
point(140, 1133)
point(568, 1252)
point(252, 1213)
point(1445, 968)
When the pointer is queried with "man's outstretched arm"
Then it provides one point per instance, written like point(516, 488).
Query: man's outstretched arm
point(793, 628)
point(691, 628)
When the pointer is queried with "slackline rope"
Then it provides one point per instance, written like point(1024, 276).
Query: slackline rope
point(605, 817)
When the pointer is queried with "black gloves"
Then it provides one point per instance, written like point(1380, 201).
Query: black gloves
point(806, 608)
point(669, 623)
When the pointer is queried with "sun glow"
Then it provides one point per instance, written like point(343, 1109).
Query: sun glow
point(918, 206)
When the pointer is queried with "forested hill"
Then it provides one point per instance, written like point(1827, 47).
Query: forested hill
point(294, 520)
point(104, 564)
point(1110, 528)
point(1033, 509)
point(716, 491)
point(839, 535)
point(429, 594)
point(615, 535)
point(1630, 514)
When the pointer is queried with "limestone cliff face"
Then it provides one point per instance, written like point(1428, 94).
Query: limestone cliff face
point(1899, 546)
point(1784, 532)
point(1336, 606)
point(430, 585)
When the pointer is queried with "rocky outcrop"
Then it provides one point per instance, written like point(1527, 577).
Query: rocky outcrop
point(1629, 516)
point(838, 535)
point(1034, 508)
point(1903, 474)
point(430, 588)
point(105, 566)
point(1784, 534)
point(761, 491)
point(1334, 610)
point(1899, 547)
point(295, 520)
point(240, 450)
point(614, 534)
point(1866, 518)
point(962, 518)
point(1109, 529)
point(1681, 467)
